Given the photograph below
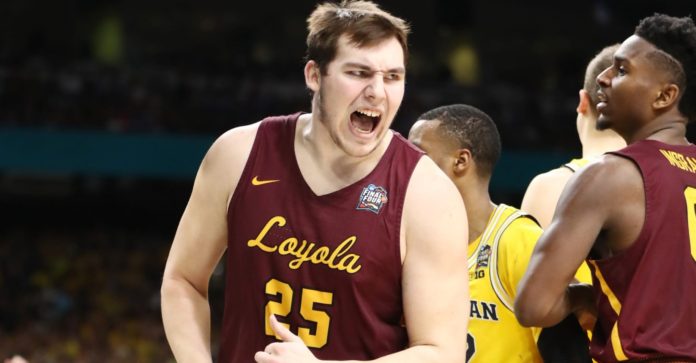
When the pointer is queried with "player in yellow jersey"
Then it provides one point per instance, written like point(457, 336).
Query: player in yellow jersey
point(464, 142)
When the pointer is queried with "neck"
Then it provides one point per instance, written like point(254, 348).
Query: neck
point(667, 130)
point(479, 206)
point(593, 148)
point(314, 142)
point(596, 142)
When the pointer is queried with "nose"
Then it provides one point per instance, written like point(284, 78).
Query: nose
point(375, 89)
point(604, 78)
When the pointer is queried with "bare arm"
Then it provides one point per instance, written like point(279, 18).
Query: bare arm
point(542, 194)
point(199, 243)
point(435, 281)
point(596, 201)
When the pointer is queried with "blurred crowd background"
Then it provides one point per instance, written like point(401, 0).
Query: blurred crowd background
point(106, 108)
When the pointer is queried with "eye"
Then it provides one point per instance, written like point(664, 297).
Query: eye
point(621, 70)
point(358, 73)
point(393, 76)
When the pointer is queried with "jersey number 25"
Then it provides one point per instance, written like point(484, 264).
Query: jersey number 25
point(280, 304)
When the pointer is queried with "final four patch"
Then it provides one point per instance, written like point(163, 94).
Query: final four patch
point(372, 198)
point(483, 256)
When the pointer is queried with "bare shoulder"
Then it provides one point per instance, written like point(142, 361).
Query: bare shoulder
point(607, 197)
point(554, 177)
point(228, 154)
point(430, 185)
point(608, 173)
point(432, 205)
point(606, 185)
point(234, 143)
point(543, 192)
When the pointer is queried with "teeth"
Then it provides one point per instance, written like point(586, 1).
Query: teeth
point(369, 113)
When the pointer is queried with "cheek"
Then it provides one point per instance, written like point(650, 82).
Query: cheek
point(443, 163)
point(635, 96)
point(396, 93)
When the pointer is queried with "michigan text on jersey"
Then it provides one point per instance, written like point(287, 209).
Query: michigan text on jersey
point(483, 310)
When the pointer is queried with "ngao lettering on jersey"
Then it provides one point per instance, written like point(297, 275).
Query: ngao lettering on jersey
point(679, 160)
point(304, 251)
point(372, 198)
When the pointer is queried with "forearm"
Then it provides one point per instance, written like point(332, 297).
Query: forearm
point(186, 318)
point(575, 297)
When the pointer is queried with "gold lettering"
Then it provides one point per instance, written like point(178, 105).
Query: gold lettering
point(319, 256)
point(338, 259)
point(692, 163)
point(348, 263)
point(301, 254)
point(668, 156)
point(340, 251)
point(280, 221)
point(288, 246)
point(682, 162)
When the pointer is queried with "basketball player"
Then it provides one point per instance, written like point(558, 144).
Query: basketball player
point(342, 241)
point(464, 142)
point(632, 211)
point(545, 189)
point(542, 193)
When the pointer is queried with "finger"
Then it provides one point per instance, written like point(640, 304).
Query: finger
point(273, 348)
point(283, 332)
point(263, 357)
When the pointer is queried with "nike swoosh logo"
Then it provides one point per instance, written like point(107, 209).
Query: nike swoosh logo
point(257, 182)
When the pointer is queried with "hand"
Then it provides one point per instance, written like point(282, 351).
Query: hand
point(583, 301)
point(291, 350)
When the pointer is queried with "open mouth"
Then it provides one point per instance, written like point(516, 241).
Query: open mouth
point(365, 121)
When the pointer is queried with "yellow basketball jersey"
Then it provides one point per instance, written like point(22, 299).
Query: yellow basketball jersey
point(497, 261)
point(576, 164)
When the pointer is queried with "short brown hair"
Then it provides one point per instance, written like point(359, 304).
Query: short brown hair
point(603, 60)
point(363, 22)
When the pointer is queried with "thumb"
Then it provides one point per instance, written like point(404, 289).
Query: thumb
point(283, 332)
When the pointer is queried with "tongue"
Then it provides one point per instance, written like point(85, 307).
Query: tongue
point(362, 122)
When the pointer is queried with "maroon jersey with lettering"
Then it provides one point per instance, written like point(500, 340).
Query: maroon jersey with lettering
point(647, 293)
point(328, 266)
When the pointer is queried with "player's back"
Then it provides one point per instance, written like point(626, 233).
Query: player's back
point(647, 308)
point(328, 266)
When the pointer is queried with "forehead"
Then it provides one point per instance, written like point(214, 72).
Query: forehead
point(423, 128)
point(385, 55)
point(424, 133)
point(634, 49)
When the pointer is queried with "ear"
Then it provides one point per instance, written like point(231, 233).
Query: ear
point(667, 96)
point(584, 102)
point(463, 161)
point(312, 75)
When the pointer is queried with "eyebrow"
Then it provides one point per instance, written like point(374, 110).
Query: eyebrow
point(618, 58)
point(399, 70)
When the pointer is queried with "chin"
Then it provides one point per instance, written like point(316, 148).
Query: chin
point(602, 124)
point(359, 151)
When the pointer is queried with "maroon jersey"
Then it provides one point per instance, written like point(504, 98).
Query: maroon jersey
point(328, 266)
point(647, 293)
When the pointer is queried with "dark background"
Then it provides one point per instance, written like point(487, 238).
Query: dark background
point(95, 85)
